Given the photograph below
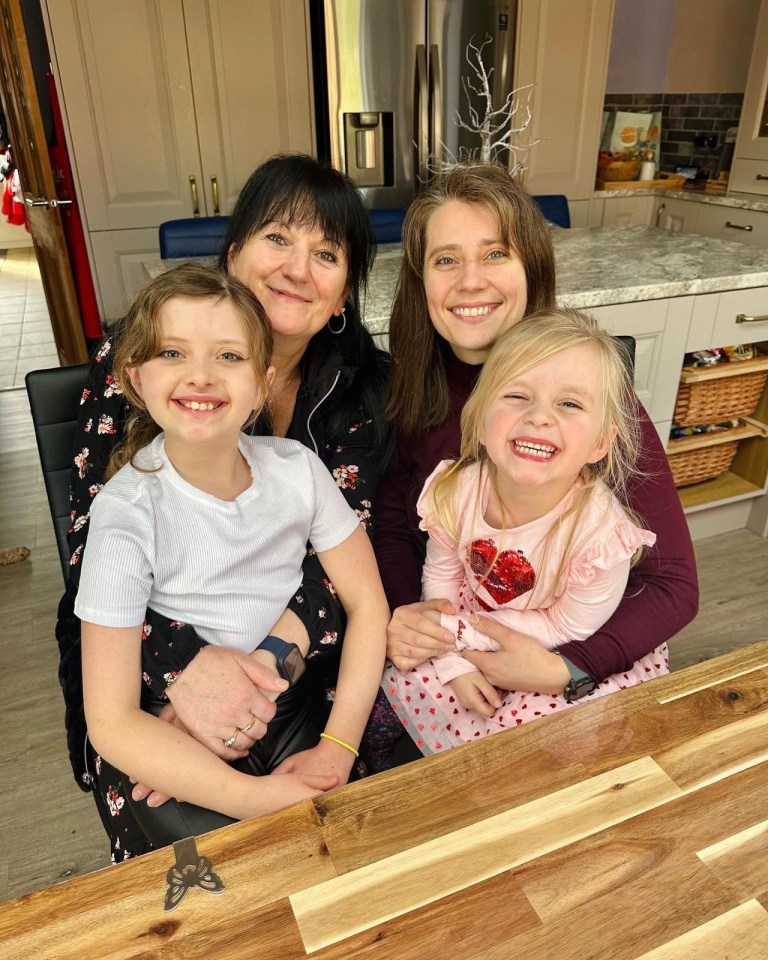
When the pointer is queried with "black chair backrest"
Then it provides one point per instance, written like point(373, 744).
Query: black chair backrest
point(629, 349)
point(192, 237)
point(54, 399)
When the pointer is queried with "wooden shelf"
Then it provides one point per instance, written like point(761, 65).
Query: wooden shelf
point(747, 428)
point(727, 488)
point(717, 371)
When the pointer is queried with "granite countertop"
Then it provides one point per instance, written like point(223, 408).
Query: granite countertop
point(607, 265)
point(742, 201)
point(602, 265)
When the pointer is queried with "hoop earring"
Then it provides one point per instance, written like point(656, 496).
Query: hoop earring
point(343, 323)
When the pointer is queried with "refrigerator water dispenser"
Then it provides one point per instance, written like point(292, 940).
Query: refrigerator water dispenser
point(368, 148)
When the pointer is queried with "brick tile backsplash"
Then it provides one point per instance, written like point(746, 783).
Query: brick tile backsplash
point(683, 116)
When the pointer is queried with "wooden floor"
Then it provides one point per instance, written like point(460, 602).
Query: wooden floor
point(49, 829)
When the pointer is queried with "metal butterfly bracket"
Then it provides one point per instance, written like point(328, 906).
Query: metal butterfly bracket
point(190, 870)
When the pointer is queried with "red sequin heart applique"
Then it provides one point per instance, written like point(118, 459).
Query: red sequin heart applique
point(505, 576)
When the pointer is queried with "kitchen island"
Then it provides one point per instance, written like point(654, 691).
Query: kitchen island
point(674, 293)
point(609, 265)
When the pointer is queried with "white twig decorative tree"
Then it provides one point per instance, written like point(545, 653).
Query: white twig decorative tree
point(499, 129)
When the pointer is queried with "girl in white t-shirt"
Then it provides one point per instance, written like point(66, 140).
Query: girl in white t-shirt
point(209, 526)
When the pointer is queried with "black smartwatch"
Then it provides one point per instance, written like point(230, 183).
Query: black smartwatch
point(580, 684)
point(290, 662)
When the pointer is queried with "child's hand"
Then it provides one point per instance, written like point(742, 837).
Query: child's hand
point(474, 692)
point(294, 787)
point(326, 759)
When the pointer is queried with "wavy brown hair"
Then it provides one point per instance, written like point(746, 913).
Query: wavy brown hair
point(418, 396)
point(138, 337)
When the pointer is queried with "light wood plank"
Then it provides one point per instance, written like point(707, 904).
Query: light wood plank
point(740, 934)
point(717, 754)
point(339, 908)
point(741, 860)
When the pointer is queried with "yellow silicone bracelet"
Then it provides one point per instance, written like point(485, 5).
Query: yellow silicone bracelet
point(341, 743)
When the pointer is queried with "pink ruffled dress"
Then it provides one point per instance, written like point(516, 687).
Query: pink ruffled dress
point(518, 591)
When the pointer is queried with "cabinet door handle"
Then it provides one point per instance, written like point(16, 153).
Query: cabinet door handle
point(195, 204)
point(761, 176)
point(662, 208)
point(739, 226)
point(215, 192)
point(745, 318)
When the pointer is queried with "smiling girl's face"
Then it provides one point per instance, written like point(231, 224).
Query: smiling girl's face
point(201, 385)
point(474, 283)
point(299, 276)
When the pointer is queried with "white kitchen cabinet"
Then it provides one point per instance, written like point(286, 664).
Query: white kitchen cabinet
point(660, 329)
point(725, 319)
point(679, 216)
point(732, 223)
point(627, 211)
point(752, 139)
point(738, 497)
point(563, 51)
point(170, 105)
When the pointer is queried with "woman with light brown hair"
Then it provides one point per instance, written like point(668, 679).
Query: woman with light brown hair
point(478, 258)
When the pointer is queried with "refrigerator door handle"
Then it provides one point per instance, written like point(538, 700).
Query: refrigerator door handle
point(435, 107)
point(422, 122)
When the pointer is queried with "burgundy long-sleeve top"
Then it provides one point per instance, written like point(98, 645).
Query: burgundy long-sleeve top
point(662, 594)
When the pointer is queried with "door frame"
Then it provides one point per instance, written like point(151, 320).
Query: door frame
point(30, 149)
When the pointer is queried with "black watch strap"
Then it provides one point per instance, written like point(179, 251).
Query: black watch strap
point(290, 662)
point(580, 684)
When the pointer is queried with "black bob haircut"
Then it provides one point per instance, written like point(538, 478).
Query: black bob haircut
point(296, 188)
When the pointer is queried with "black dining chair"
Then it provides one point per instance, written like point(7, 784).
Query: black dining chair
point(54, 399)
point(192, 237)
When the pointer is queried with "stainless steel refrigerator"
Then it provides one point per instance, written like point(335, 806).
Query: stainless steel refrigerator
point(388, 85)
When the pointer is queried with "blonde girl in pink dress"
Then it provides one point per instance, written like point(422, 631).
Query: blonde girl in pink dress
point(527, 526)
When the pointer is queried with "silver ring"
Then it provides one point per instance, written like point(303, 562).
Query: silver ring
point(248, 727)
point(228, 743)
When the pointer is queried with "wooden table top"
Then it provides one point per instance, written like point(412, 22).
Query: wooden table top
point(634, 826)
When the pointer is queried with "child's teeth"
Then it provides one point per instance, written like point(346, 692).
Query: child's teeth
point(195, 405)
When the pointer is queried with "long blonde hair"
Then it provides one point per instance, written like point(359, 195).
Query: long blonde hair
point(528, 343)
point(138, 336)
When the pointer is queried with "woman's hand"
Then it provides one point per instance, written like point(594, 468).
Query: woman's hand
point(414, 633)
point(521, 664)
point(474, 692)
point(222, 690)
point(326, 759)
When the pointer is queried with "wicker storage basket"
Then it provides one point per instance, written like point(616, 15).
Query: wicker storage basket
point(705, 456)
point(710, 395)
point(695, 466)
point(618, 170)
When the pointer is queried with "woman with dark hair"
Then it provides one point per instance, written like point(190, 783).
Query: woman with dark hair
point(478, 258)
point(299, 237)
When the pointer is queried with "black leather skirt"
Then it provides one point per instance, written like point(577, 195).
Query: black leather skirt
point(300, 717)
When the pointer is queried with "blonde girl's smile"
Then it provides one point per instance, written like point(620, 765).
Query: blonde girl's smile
point(544, 426)
point(535, 449)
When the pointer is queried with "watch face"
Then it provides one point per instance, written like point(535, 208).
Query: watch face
point(293, 664)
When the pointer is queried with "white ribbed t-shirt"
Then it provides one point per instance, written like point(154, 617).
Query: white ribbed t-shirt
point(228, 568)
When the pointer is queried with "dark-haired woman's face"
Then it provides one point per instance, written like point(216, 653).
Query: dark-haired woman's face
point(299, 276)
point(475, 284)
